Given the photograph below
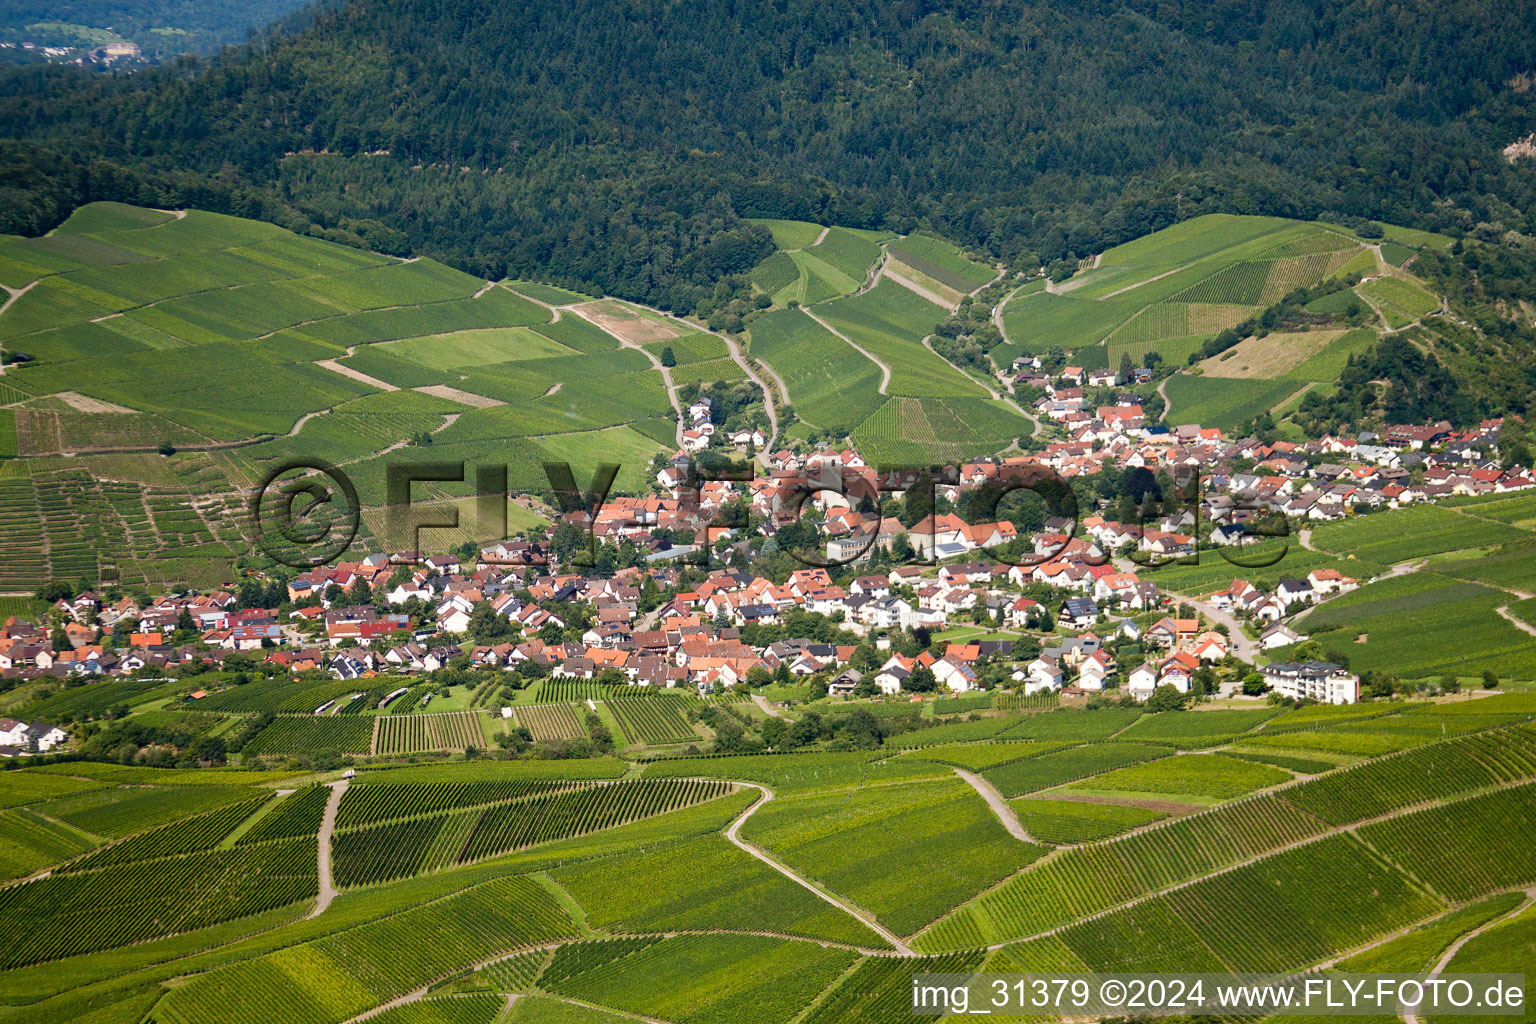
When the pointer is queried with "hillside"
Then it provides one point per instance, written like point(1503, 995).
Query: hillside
point(775, 888)
point(1052, 130)
point(172, 359)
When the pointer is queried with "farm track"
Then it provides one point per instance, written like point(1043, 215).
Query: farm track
point(885, 371)
point(864, 916)
point(323, 850)
point(357, 375)
point(768, 709)
point(917, 289)
point(735, 351)
point(999, 805)
point(1520, 624)
point(1162, 393)
point(666, 374)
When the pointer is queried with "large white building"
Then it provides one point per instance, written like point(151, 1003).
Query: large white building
point(1313, 680)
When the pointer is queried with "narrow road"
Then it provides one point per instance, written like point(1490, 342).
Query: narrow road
point(917, 289)
point(666, 374)
point(863, 915)
point(885, 371)
point(768, 708)
point(1441, 964)
point(1245, 649)
point(1520, 624)
point(1305, 539)
point(1163, 394)
point(357, 375)
point(1000, 806)
point(741, 361)
point(327, 826)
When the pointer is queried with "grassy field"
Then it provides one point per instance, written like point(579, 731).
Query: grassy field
point(1224, 402)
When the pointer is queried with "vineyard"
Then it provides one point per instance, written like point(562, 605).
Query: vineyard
point(652, 721)
point(551, 721)
point(1069, 822)
point(366, 854)
point(575, 691)
point(330, 979)
point(701, 884)
point(441, 850)
point(418, 734)
point(86, 911)
point(706, 979)
point(196, 833)
point(1061, 766)
point(306, 734)
point(368, 803)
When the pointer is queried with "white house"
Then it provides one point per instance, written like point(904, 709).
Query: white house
point(1313, 680)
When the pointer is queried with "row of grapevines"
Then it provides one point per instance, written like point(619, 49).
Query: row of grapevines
point(371, 802)
point(196, 833)
point(574, 813)
point(299, 814)
point(1424, 773)
point(63, 915)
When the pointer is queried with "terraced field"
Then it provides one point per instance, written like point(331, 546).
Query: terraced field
point(466, 880)
point(277, 334)
point(1171, 290)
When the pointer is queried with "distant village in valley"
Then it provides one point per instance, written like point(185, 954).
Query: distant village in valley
point(817, 577)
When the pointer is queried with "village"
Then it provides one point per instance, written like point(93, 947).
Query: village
point(903, 609)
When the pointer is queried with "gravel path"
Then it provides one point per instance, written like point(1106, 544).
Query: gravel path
point(327, 826)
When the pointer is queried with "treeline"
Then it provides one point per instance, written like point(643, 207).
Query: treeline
point(617, 147)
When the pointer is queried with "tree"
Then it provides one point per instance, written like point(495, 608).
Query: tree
point(1490, 680)
point(921, 680)
point(1127, 368)
point(668, 358)
point(1025, 648)
point(1167, 698)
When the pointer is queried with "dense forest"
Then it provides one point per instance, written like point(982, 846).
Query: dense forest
point(618, 146)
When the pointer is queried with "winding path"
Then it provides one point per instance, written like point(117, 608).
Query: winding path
point(768, 708)
point(323, 855)
point(1520, 624)
point(885, 371)
point(1162, 393)
point(864, 916)
point(741, 361)
point(1245, 649)
point(1000, 806)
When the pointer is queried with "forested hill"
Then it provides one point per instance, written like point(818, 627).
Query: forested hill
point(616, 144)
